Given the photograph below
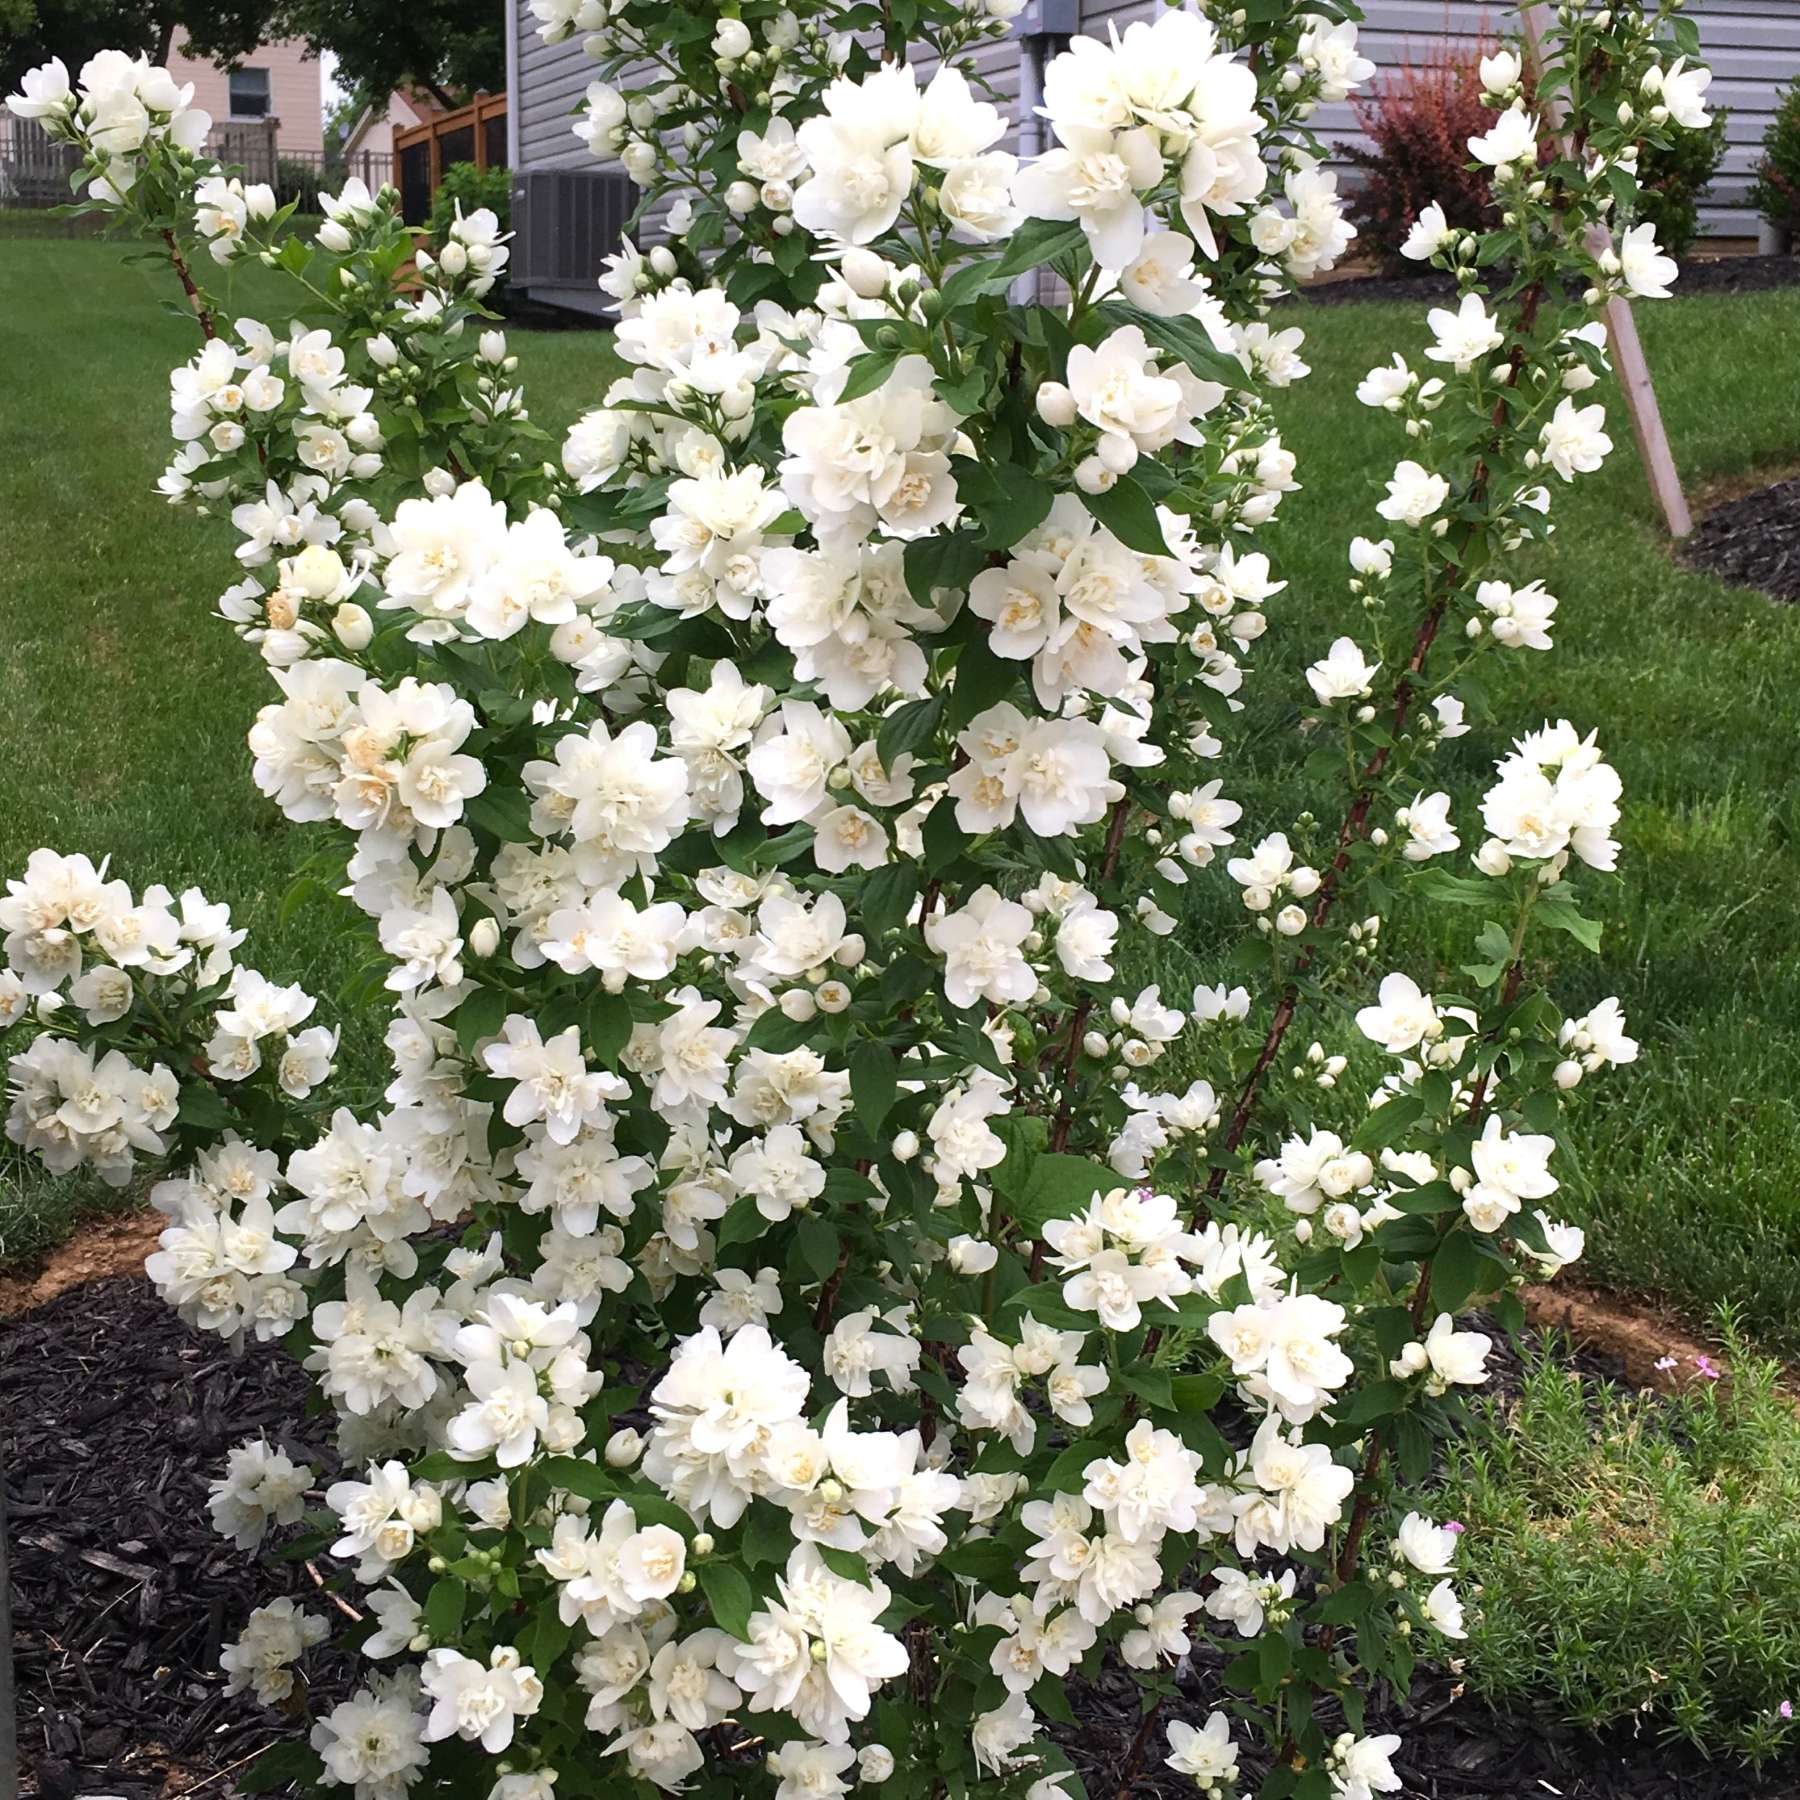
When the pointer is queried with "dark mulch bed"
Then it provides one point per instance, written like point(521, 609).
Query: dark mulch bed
point(1753, 542)
point(113, 1418)
point(1452, 1748)
point(1699, 275)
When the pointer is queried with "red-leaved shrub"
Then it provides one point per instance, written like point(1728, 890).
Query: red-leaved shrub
point(1419, 121)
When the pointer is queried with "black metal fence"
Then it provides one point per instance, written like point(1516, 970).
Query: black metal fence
point(34, 171)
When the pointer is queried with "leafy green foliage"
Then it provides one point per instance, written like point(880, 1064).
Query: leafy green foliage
point(1637, 1556)
point(1674, 176)
point(466, 186)
point(1776, 191)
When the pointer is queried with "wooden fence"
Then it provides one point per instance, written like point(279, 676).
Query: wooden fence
point(475, 133)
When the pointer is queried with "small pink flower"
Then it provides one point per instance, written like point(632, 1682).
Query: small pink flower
point(1665, 1362)
point(1455, 1526)
point(1704, 1366)
point(1786, 1709)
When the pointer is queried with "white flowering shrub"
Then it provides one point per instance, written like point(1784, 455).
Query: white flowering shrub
point(808, 1292)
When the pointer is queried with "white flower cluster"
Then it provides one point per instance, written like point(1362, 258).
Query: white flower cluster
point(122, 106)
point(81, 955)
point(772, 1271)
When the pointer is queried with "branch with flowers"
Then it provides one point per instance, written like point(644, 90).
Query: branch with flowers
point(781, 1333)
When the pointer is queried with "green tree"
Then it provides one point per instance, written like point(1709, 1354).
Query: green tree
point(33, 31)
point(448, 48)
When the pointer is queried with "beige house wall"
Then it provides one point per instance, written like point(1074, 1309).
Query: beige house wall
point(377, 135)
point(294, 90)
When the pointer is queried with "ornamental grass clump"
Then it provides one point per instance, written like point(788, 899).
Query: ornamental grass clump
point(1636, 1554)
point(749, 1312)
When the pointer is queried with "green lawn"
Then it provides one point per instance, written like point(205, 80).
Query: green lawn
point(125, 709)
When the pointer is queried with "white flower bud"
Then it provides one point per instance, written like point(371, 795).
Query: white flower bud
point(352, 626)
point(624, 1447)
point(905, 1146)
point(864, 273)
point(731, 39)
point(1055, 404)
point(484, 938)
point(317, 572)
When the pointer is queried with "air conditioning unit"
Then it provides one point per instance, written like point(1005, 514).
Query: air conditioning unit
point(566, 222)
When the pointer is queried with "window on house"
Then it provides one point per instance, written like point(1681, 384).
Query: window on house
point(249, 90)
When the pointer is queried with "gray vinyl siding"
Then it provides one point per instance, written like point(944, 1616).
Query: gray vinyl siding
point(552, 79)
point(1753, 47)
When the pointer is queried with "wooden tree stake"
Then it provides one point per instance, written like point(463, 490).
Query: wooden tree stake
point(1622, 335)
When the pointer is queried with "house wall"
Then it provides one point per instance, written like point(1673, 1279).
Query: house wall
point(1753, 47)
point(377, 135)
point(294, 90)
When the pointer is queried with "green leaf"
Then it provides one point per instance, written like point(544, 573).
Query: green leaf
point(1130, 515)
point(818, 1245)
point(729, 1596)
point(201, 1104)
point(1069, 1470)
point(874, 1084)
point(944, 560)
point(1349, 1604)
point(1373, 1400)
point(503, 811)
point(1048, 1697)
point(1046, 1304)
point(867, 373)
point(1007, 506)
point(982, 680)
point(1562, 914)
point(984, 1559)
point(768, 1537)
point(1187, 339)
point(481, 1015)
point(1495, 945)
point(588, 1480)
point(1036, 242)
point(1459, 890)
point(886, 898)
point(545, 1639)
point(1025, 1136)
point(943, 839)
point(1388, 1123)
point(1150, 1383)
point(1196, 1393)
point(1059, 1187)
point(1430, 1197)
point(845, 1563)
point(1463, 1267)
point(607, 1025)
point(907, 729)
point(444, 1608)
point(742, 1223)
